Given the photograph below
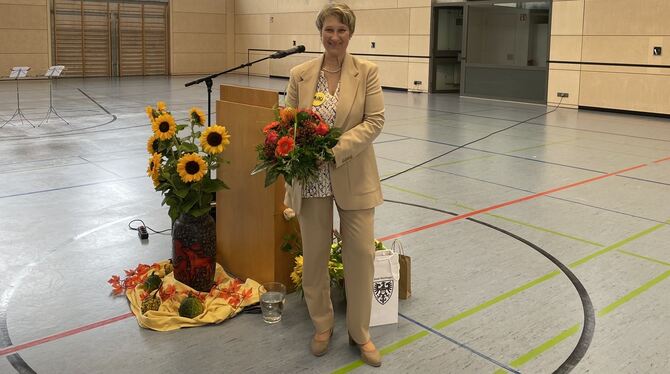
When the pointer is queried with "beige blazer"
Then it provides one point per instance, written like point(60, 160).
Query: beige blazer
point(360, 116)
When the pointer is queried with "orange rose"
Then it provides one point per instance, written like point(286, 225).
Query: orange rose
point(322, 129)
point(284, 146)
point(270, 126)
point(287, 114)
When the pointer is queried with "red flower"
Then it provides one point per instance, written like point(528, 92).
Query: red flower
point(270, 126)
point(284, 146)
point(272, 137)
point(322, 129)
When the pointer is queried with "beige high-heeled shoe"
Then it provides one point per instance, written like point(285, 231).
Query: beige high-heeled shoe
point(372, 358)
point(320, 347)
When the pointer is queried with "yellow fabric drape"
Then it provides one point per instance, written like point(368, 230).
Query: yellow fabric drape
point(227, 299)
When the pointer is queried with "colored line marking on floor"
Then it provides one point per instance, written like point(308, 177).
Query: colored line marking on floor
point(617, 245)
point(419, 194)
point(507, 295)
point(535, 352)
point(406, 232)
point(457, 161)
point(644, 257)
point(539, 228)
point(91, 326)
point(541, 145)
point(515, 201)
point(662, 160)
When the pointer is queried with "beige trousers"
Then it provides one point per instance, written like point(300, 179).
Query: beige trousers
point(358, 254)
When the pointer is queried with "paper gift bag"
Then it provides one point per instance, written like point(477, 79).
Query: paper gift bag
point(385, 288)
point(405, 282)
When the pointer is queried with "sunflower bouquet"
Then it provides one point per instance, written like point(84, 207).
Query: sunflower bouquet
point(295, 143)
point(180, 165)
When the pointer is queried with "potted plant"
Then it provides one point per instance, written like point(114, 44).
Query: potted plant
point(180, 165)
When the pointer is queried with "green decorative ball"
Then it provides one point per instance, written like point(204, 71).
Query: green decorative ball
point(191, 307)
point(150, 303)
point(152, 283)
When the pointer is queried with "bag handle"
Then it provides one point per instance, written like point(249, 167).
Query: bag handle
point(397, 247)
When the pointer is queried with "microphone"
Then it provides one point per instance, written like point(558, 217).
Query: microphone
point(290, 51)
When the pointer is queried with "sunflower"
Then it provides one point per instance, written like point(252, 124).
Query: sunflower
point(198, 116)
point(161, 106)
point(153, 143)
point(154, 165)
point(214, 139)
point(191, 167)
point(150, 112)
point(296, 275)
point(155, 179)
point(164, 126)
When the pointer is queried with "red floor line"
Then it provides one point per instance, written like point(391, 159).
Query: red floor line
point(661, 160)
point(16, 348)
point(497, 206)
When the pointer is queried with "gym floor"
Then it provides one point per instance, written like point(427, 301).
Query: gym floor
point(543, 246)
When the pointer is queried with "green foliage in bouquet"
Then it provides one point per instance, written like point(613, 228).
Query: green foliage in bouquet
point(295, 144)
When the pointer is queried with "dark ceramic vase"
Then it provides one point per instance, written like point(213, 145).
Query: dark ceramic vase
point(194, 251)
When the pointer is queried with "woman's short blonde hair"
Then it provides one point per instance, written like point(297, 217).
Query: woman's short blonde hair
point(343, 13)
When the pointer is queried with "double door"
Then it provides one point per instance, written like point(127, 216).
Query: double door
point(110, 38)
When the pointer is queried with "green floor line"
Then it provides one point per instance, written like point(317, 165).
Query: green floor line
point(644, 257)
point(636, 292)
point(410, 192)
point(539, 228)
point(540, 146)
point(535, 352)
point(393, 347)
point(384, 351)
point(616, 245)
point(459, 161)
point(495, 300)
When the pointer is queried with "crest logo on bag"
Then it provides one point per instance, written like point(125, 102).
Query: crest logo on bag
point(383, 291)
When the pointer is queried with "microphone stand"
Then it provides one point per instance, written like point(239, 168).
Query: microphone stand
point(208, 83)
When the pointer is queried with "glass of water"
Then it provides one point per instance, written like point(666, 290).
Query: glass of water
point(272, 301)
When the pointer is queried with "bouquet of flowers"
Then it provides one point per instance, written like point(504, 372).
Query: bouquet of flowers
point(295, 143)
point(180, 166)
point(293, 244)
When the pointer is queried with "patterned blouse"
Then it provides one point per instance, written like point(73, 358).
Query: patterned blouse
point(321, 187)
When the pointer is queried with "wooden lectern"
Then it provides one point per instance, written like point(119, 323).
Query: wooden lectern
point(250, 225)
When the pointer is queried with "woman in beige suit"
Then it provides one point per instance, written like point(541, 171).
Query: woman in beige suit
point(346, 92)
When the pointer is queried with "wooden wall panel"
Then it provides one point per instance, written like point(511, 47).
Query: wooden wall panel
point(610, 43)
point(24, 35)
point(625, 49)
point(199, 36)
point(398, 27)
point(625, 17)
point(637, 92)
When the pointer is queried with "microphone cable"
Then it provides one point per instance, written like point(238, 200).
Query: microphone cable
point(468, 143)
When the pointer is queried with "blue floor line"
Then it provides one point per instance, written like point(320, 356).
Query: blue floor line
point(498, 363)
